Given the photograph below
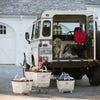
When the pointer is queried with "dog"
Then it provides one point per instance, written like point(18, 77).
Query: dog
point(67, 51)
point(57, 48)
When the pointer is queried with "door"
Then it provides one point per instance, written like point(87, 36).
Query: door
point(7, 45)
point(91, 38)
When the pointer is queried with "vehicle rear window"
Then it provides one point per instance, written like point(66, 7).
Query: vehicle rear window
point(37, 30)
point(46, 28)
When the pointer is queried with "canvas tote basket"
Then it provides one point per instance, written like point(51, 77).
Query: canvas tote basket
point(40, 78)
point(80, 36)
point(21, 87)
point(66, 84)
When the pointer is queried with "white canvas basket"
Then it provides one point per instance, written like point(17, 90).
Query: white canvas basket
point(40, 79)
point(65, 85)
point(21, 87)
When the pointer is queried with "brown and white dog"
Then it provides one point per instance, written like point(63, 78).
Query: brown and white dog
point(57, 48)
point(67, 51)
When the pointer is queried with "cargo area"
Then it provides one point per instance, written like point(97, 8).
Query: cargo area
point(64, 28)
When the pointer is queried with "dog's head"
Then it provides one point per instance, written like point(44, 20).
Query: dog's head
point(67, 48)
point(57, 42)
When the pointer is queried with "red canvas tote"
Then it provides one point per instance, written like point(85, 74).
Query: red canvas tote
point(80, 36)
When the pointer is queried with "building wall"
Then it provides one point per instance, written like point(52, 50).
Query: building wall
point(20, 24)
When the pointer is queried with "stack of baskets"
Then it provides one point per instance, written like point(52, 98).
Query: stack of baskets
point(37, 78)
point(41, 78)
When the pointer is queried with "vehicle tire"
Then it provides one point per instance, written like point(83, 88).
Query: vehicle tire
point(94, 75)
point(25, 64)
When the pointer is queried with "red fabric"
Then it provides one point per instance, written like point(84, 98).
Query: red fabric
point(40, 64)
point(80, 36)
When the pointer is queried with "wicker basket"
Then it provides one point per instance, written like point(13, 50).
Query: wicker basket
point(41, 79)
point(65, 85)
point(21, 87)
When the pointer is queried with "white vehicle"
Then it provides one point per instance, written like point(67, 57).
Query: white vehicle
point(83, 58)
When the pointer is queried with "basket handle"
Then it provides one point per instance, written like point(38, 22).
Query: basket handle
point(16, 77)
point(80, 30)
point(45, 69)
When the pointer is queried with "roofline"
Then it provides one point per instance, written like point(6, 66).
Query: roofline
point(18, 16)
point(95, 5)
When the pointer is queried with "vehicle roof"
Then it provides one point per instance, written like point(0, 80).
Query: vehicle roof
point(52, 13)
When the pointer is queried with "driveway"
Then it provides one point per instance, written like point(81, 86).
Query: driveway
point(82, 91)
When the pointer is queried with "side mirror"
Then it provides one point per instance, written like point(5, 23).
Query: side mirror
point(27, 36)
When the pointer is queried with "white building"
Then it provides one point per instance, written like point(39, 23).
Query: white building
point(12, 42)
point(16, 18)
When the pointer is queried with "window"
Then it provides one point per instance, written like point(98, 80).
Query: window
point(2, 29)
point(90, 26)
point(95, 26)
point(46, 28)
point(62, 28)
point(26, 35)
point(32, 36)
point(37, 30)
